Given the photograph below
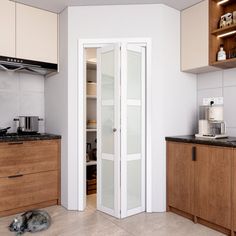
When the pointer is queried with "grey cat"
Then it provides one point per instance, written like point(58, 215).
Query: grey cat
point(31, 221)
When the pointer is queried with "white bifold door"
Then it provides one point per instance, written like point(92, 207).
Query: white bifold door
point(121, 129)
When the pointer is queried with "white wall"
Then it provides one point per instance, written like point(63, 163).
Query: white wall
point(56, 105)
point(220, 84)
point(20, 94)
point(173, 92)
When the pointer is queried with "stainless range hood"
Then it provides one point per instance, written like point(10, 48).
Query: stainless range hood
point(27, 66)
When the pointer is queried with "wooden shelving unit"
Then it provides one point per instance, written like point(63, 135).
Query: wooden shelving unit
point(224, 30)
point(227, 64)
point(91, 130)
point(91, 65)
point(91, 163)
point(91, 97)
point(229, 41)
point(91, 133)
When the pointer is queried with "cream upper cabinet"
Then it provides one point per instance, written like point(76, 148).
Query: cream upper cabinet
point(7, 22)
point(195, 38)
point(36, 34)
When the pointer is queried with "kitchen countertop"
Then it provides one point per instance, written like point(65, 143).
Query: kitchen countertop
point(224, 142)
point(13, 137)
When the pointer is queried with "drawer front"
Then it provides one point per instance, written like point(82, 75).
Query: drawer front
point(27, 190)
point(28, 157)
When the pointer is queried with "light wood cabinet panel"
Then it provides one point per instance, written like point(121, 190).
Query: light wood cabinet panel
point(29, 175)
point(7, 25)
point(28, 190)
point(28, 157)
point(213, 185)
point(36, 34)
point(195, 38)
point(180, 176)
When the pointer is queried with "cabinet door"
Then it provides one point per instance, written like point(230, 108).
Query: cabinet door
point(28, 157)
point(28, 190)
point(194, 37)
point(7, 22)
point(180, 179)
point(213, 185)
point(36, 34)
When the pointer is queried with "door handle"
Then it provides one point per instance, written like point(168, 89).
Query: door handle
point(15, 176)
point(114, 130)
point(194, 153)
point(16, 143)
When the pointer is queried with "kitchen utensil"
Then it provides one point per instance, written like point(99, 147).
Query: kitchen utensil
point(91, 124)
point(215, 113)
point(91, 88)
point(203, 127)
point(28, 124)
point(4, 130)
point(211, 122)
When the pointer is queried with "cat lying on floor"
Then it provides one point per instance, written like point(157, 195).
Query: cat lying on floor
point(31, 221)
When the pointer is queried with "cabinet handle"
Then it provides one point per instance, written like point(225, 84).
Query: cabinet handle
point(16, 143)
point(194, 152)
point(15, 176)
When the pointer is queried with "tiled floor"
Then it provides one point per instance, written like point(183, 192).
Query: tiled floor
point(92, 222)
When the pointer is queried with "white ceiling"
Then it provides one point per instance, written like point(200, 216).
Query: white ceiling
point(59, 5)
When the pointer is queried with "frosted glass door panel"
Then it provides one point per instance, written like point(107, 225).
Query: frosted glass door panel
point(134, 129)
point(134, 74)
point(107, 69)
point(107, 184)
point(134, 186)
point(108, 80)
point(107, 129)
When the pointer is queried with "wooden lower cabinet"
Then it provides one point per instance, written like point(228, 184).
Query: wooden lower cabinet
point(28, 157)
point(206, 183)
point(180, 182)
point(28, 190)
point(213, 185)
point(29, 175)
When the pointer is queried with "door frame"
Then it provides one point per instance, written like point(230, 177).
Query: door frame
point(81, 168)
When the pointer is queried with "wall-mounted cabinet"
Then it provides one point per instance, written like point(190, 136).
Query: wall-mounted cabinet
point(36, 34)
point(7, 23)
point(225, 35)
point(195, 38)
point(28, 32)
point(201, 36)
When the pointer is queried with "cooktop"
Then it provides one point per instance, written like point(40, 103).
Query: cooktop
point(19, 134)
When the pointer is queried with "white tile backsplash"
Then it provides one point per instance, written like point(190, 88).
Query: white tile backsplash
point(8, 108)
point(217, 84)
point(9, 81)
point(210, 80)
point(209, 93)
point(231, 131)
point(20, 94)
point(230, 77)
point(229, 106)
point(31, 104)
point(28, 84)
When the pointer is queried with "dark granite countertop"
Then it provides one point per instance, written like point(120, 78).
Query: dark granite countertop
point(224, 142)
point(13, 137)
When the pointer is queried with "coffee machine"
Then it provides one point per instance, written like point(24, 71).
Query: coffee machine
point(211, 122)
